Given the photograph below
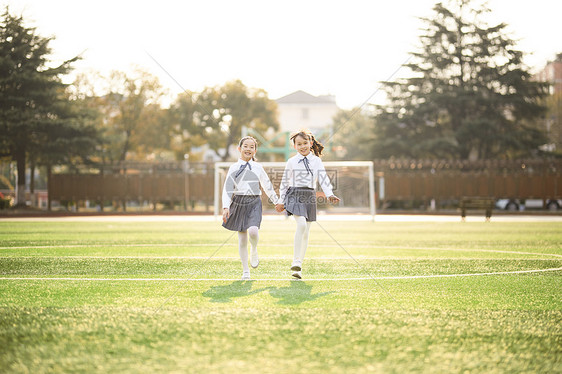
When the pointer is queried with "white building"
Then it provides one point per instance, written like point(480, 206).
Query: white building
point(302, 110)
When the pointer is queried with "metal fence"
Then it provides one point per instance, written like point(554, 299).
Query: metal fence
point(399, 180)
point(455, 185)
point(183, 189)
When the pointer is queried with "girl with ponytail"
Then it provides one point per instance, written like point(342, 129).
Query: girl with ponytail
point(298, 191)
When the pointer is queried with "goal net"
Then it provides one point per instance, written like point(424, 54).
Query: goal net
point(353, 182)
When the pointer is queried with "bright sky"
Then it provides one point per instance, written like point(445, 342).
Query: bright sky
point(344, 48)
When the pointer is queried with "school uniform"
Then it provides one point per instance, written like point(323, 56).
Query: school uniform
point(298, 186)
point(242, 194)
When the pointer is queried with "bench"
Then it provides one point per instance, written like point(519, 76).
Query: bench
point(485, 203)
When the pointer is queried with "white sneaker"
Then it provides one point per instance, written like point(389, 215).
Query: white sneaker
point(297, 274)
point(246, 276)
point(296, 266)
point(254, 260)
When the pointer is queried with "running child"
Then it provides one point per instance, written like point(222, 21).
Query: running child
point(241, 200)
point(297, 192)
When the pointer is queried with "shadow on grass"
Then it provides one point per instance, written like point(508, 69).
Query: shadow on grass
point(296, 293)
point(225, 294)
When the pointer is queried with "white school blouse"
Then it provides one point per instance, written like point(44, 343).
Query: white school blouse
point(296, 175)
point(247, 183)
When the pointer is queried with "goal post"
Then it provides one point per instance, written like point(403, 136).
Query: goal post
point(353, 181)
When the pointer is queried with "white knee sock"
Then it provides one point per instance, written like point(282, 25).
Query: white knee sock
point(254, 237)
point(301, 238)
point(243, 249)
point(304, 245)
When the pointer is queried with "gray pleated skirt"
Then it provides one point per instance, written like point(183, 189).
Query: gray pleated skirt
point(301, 201)
point(245, 212)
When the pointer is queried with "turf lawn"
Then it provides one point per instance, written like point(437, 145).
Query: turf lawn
point(132, 297)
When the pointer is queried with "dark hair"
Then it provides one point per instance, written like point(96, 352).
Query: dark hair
point(247, 138)
point(317, 147)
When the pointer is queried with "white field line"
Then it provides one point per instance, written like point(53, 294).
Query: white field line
point(274, 257)
point(280, 279)
point(314, 279)
point(173, 245)
point(278, 217)
point(268, 245)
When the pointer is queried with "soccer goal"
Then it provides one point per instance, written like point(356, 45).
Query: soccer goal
point(353, 182)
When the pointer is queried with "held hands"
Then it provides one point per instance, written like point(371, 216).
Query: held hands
point(279, 208)
point(225, 214)
point(334, 199)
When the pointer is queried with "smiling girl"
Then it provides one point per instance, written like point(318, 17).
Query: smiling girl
point(241, 200)
point(297, 193)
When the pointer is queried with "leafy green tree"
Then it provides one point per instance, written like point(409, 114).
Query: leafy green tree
point(352, 131)
point(469, 96)
point(224, 110)
point(554, 122)
point(36, 115)
point(186, 130)
point(152, 137)
point(125, 104)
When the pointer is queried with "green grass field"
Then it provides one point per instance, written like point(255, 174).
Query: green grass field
point(388, 297)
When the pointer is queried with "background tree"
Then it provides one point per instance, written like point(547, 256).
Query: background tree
point(224, 110)
point(470, 95)
point(352, 131)
point(554, 122)
point(33, 98)
point(152, 138)
point(186, 129)
point(128, 103)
